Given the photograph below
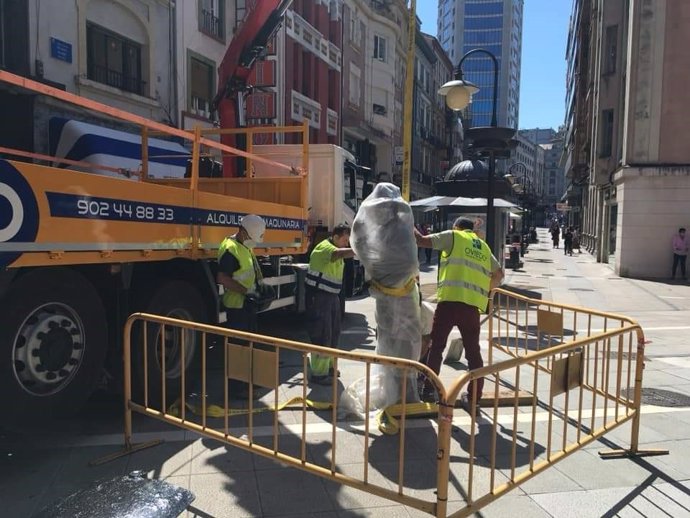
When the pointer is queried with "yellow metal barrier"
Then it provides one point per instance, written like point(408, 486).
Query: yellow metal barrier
point(290, 434)
point(582, 384)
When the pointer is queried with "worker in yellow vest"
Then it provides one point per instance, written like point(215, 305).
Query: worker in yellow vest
point(468, 272)
point(324, 282)
point(237, 271)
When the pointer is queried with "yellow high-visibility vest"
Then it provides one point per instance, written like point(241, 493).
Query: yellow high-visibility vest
point(465, 274)
point(323, 273)
point(246, 274)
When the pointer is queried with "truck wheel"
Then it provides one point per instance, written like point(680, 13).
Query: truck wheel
point(174, 299)
point(53, 343)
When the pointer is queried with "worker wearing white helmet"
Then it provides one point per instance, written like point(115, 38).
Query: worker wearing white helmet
point(237, 273)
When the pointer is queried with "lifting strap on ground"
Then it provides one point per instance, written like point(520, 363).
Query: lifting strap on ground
point(387, 419)
point(216, 411)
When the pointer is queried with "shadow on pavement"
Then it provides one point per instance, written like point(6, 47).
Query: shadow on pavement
point(652, 500)
point(483, 442)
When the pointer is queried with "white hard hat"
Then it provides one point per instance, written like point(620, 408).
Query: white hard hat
point(255, 226)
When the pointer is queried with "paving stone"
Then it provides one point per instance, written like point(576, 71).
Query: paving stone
point(226, 495)
point(290, 491)
point(165, 460)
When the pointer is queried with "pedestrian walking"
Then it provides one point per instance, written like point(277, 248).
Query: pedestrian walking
point(426, 230)
point(555, 236)
point(324, 282)
point(468, 272)
point(576, 240)
point(680, 253)
point(568, 241)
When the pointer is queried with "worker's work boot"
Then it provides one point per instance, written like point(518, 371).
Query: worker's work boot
point(467, 404)
point(324, 379)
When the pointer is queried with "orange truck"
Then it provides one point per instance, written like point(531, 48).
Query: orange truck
point(80, 251)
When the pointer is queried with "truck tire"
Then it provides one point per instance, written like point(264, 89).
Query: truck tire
point(175, 299)
point(53, 343)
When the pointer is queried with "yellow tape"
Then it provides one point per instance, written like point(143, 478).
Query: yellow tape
point(395, 292)
point(386, 420)
point(218, 411)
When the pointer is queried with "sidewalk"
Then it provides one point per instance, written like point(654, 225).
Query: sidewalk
point(38, 468)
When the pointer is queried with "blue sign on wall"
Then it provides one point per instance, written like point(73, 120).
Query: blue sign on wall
point(61, 50)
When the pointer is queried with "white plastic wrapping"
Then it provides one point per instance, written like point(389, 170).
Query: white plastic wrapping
point(383, 239)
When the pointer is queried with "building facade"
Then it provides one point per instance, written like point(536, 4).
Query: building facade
point(539, 135)
point(375, 33)
point(626, 145)
point(445, 129)
point(309, 49)
point(424, 102)
point(496, 26)
point(117, 52)
point(159, 59)
point(554, 181)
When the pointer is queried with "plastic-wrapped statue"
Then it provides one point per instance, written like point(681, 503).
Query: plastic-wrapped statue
point(383, 239)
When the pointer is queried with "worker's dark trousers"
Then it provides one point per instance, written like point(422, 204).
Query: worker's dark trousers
point(240, 319)
point(324, 327)
point(466, 317)
point(679, 260)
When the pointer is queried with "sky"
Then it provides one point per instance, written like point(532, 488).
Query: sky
point(544, 37)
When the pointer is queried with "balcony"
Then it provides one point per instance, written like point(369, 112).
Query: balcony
point(381, 7)
point(116, 79)
point(211, 24)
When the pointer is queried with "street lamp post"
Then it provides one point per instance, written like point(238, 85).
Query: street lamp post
point(525, 186)
point(490, 140)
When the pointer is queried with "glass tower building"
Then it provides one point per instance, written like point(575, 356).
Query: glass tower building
point(496, 26)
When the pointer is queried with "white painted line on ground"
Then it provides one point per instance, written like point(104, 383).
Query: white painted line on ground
point(644, 328)
point(663, 297)
point(460, 420)
point(676, 361)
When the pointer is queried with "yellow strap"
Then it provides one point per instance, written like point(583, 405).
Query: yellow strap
point(386, 419)
point(218, 411)
point(395, 292)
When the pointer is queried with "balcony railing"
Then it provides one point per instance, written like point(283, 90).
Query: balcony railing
point(211, 24)
point(116, 79)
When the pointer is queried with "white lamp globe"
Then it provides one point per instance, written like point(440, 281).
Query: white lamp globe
point(458, 98)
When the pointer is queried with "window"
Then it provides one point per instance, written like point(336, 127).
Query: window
point(379, 99)
point(606, 133)
point(113, 60)
point(212, 16)
point(355, 35)
point(611, 49)
point(200, 86)
point(379, 109)
point(355, 78)
point(380, 48)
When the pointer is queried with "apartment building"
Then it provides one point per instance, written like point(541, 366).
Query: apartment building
point(374, 62)
point(626, 152)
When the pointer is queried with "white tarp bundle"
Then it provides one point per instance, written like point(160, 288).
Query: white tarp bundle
point(383, 239)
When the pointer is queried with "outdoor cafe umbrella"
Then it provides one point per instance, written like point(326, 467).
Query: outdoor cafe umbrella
point(451, 204)
point(434, 202)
